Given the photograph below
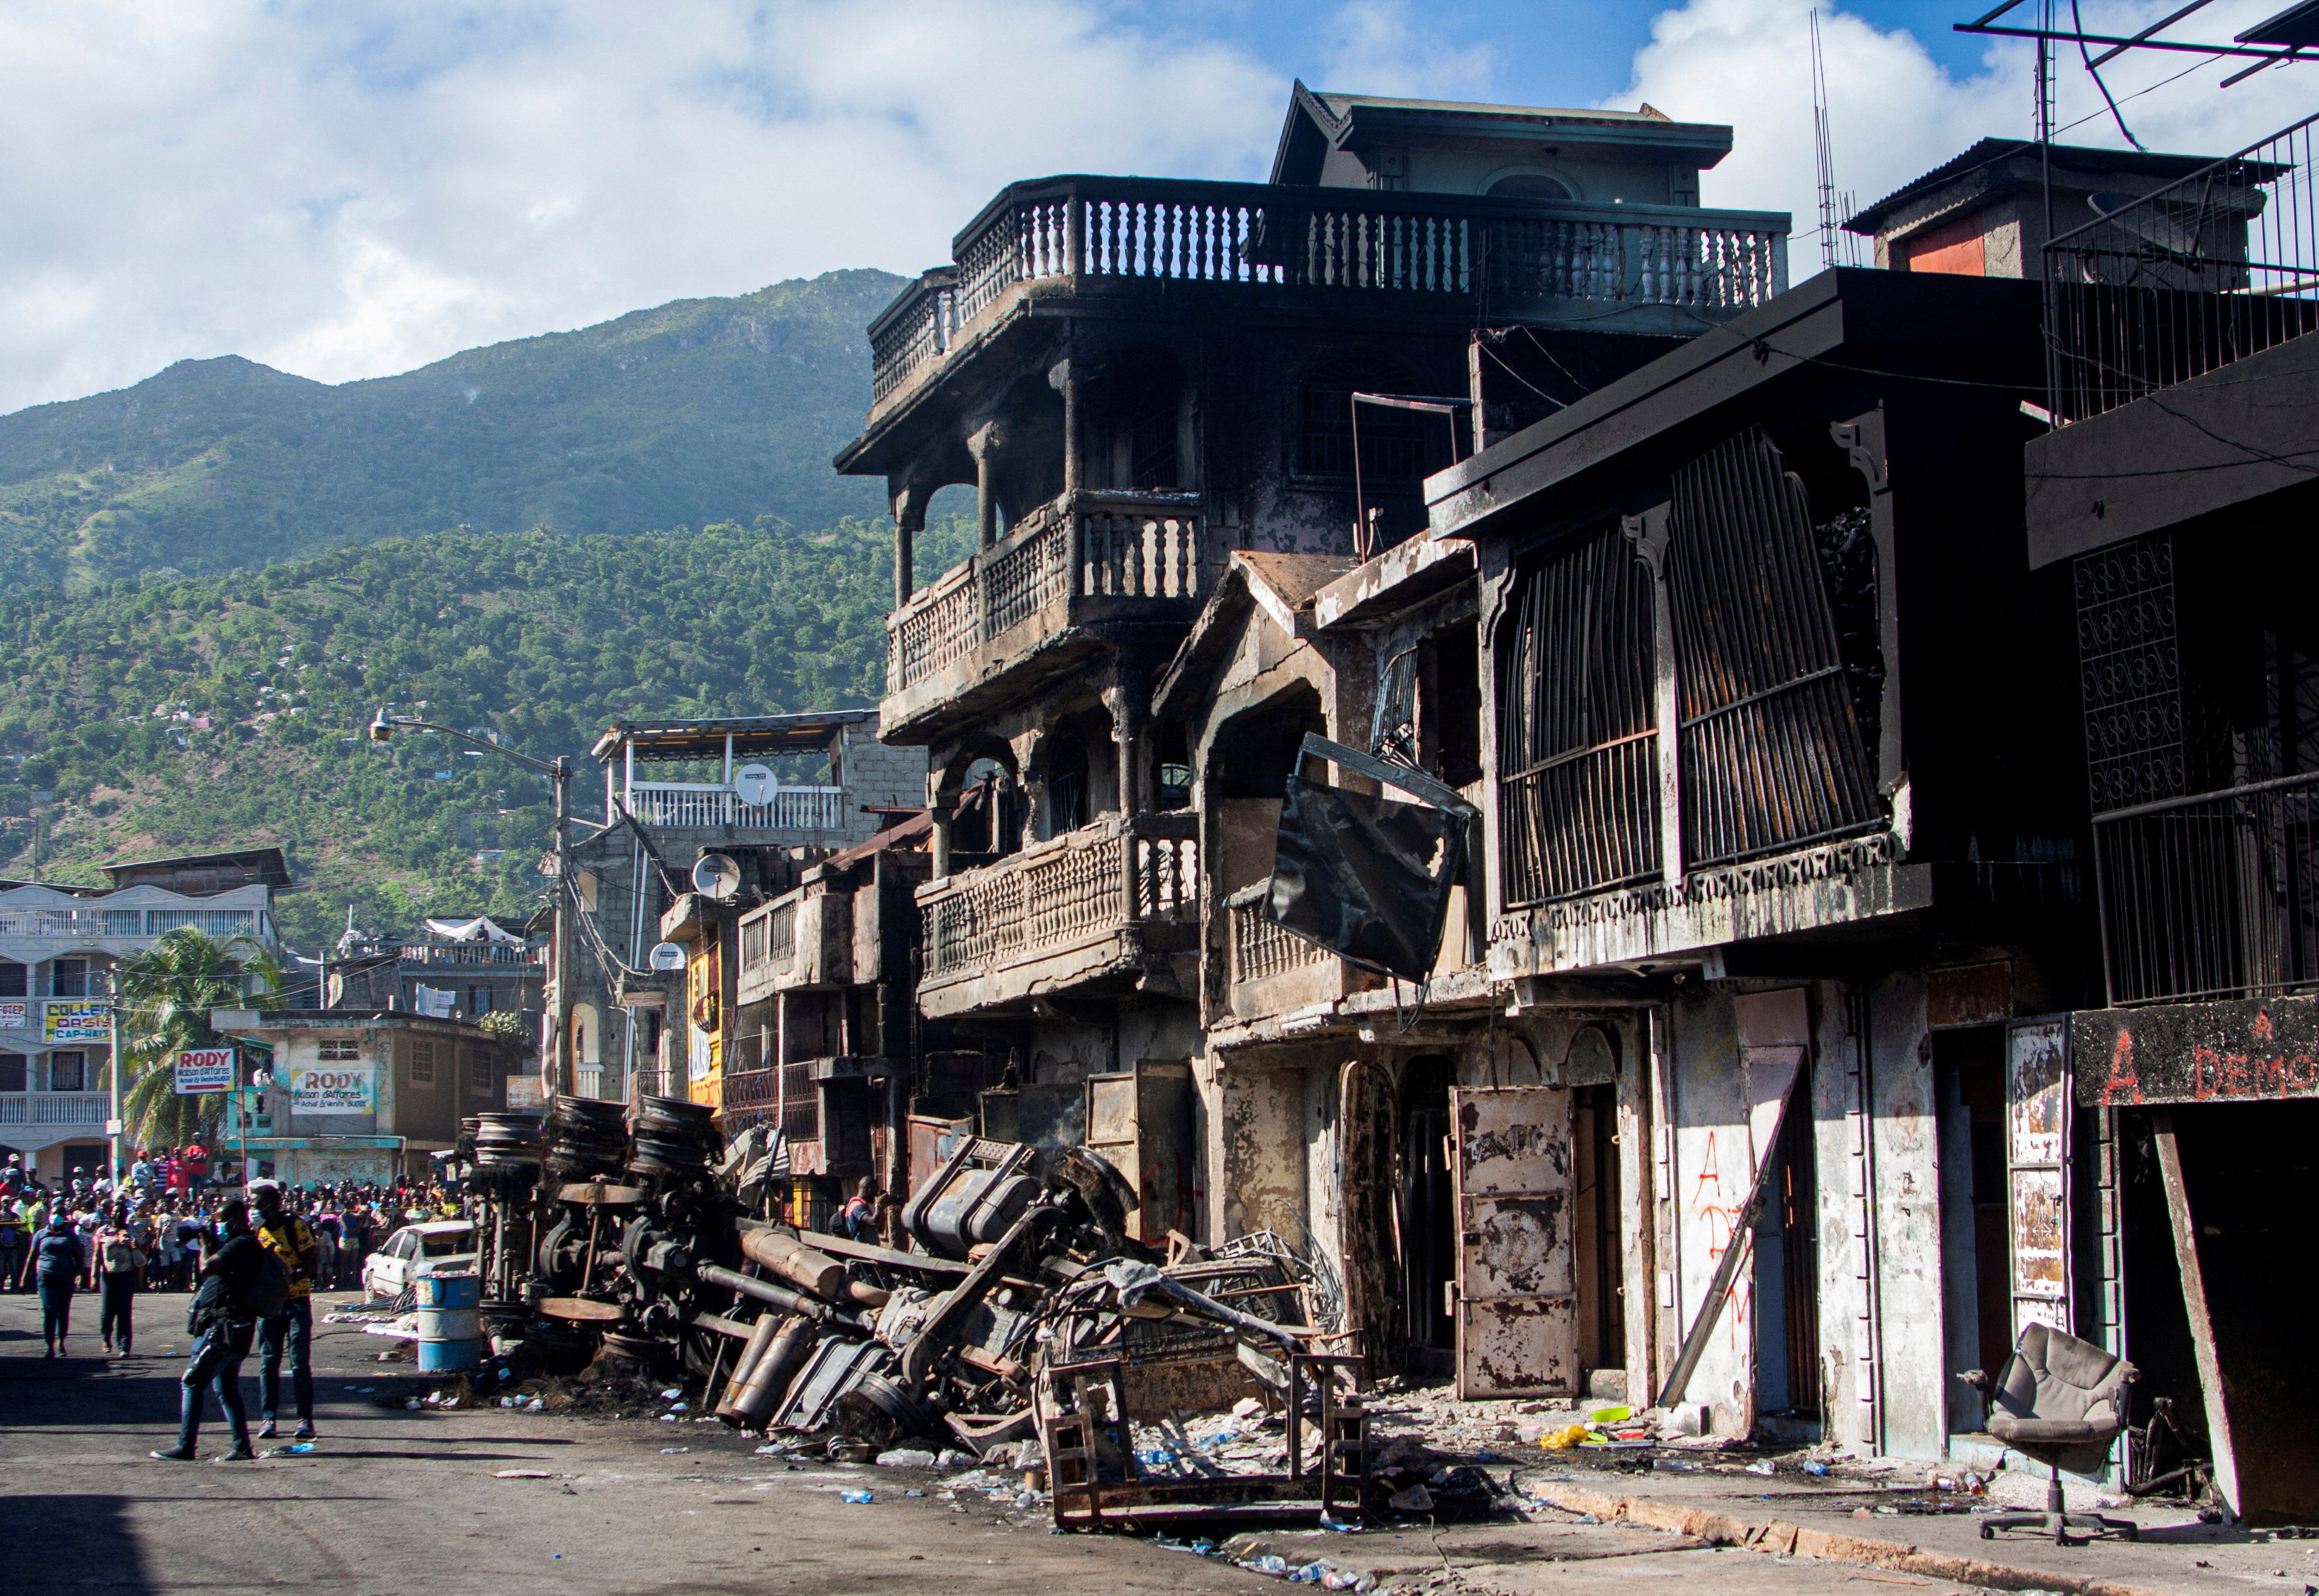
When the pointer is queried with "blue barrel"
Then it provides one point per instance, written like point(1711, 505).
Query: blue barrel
point(450, 1324)
point(448, 1291)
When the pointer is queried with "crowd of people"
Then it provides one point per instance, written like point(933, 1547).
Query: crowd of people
point(149, 1230)
point(252, 1263)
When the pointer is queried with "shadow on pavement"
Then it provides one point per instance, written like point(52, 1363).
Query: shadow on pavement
point(104, 1553)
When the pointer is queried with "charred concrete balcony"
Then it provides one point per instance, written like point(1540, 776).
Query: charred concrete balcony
point(1617, 268)
point(1109, 907)
point(1027, 610)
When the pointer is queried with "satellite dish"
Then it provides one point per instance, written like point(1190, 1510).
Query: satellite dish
point(666, 956)
point(753, 784)
point(717, 876)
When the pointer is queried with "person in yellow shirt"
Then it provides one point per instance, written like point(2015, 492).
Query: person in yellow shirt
point(288, 1237)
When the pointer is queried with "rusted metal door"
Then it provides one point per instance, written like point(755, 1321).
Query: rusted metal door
point(1517, 1280)
point(2037, 1171)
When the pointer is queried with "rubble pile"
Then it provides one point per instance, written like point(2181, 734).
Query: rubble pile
point(1025, 1327)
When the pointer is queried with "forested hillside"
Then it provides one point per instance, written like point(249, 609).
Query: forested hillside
point(167, 714)
point(700, 411)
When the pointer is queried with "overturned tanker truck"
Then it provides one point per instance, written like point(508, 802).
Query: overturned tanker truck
point(1023, 1311)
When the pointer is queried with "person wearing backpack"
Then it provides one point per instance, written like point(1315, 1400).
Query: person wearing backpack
point(222, 1319)
point(119, 1267)
point(288, 1324)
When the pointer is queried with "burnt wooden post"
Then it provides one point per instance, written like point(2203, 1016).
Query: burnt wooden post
point(909, 521)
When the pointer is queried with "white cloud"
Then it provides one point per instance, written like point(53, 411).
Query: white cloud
point(1896, 113)
point(352, 187)
point(1376, 50)
point(346, 188)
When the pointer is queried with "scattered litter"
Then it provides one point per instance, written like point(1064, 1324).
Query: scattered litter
point(521, 1474)
point(857, 1498)
point(1766, 1468)
point(906, 1457)
point(672, 1451)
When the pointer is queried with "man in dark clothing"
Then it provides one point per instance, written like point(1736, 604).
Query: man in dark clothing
point(224, 1319)
point(57, 1261)
point(288, 1237)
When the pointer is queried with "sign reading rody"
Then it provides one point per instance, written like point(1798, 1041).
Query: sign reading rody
point(204, 1070)
point(77, 1021)
point(333, 1088)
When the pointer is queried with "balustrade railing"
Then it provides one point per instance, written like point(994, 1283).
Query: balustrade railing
point(1059, 892)
point(707, 805)
point(1089, 545)
point(125, 922)
point(1260, 949)
point(1519, 257)
point(471, 954)
point(54, 1108)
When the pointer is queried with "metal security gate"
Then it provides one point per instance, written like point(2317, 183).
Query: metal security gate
point(1517, 1280)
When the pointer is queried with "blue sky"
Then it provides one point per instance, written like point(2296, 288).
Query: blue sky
point(349, 188)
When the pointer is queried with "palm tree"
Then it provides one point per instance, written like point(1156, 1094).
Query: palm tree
point(168, 992)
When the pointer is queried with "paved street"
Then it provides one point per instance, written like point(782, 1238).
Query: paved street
point(396, 1501)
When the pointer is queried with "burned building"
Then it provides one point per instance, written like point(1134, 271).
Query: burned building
point(1173, 396)
point(2164, 503)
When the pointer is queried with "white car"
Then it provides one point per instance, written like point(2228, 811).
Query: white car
point(441, 1247)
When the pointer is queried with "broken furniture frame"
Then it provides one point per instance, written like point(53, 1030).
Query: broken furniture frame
point(1083, 1423)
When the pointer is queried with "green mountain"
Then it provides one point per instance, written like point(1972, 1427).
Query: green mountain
point(701, 411)
point(179, 714)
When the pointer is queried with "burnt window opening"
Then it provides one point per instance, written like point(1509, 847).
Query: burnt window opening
point(1454, 715)
point(1153, 451)
point(1770, 753)
point(988, 819)
point(1578, 783)
point(1067, 787)
point(1844, 538)
point(1393, 728)
point(1399, 449)
point(1172, 763)
point(1847, 545)
point(1429, 707)
point(1257, 751)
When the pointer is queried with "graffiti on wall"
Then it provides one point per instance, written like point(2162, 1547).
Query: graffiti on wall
point(2255, 1050)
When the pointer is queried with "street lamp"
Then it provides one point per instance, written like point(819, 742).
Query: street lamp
point(383, 728)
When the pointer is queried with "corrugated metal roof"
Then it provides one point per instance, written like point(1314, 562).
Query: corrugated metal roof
point(753, 735)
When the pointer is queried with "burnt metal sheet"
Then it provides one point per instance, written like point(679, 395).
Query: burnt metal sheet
point(1365, 876)
point(1517, 1290)
point(2260, 1049)
point(2037, 1171)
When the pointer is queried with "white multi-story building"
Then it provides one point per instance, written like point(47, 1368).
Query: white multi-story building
point(59, 948)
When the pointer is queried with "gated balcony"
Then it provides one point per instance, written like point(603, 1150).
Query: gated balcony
point(1617, 267)
point(1111, 902)
point(710, 805)
point(2212, 895)
point(1073, 562)
point(2207, 271)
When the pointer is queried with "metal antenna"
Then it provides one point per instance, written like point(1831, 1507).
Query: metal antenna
point(1823, 149)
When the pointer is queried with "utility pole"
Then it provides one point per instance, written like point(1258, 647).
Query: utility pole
point(113, 1125)
point(557, 1063)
